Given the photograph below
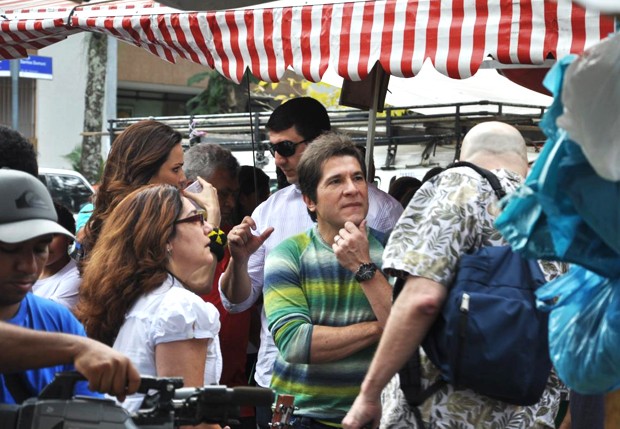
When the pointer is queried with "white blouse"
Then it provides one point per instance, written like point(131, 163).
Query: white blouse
point(169, 313)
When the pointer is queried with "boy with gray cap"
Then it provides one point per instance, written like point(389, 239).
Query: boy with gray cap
point(27, 226)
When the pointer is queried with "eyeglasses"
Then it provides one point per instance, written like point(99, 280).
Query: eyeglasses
point(198, 217)
point(285, 148)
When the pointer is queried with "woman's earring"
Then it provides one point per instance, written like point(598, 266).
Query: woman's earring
point(169, 250)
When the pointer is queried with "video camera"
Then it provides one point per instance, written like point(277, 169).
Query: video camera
point(166, 405)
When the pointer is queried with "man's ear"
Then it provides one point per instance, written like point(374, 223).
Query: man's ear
point(309, 203)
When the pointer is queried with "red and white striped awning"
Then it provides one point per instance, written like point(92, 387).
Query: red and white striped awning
point(33, 24)
point(456, 35)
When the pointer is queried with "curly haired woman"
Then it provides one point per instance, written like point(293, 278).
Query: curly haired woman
point(139, 288)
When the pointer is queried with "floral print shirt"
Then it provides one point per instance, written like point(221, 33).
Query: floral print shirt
point(450, 215)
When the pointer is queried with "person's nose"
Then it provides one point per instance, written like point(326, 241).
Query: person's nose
point(231, 201)
point(279, 159)
point(350, 187)
point(182, 180)
point(26, 262)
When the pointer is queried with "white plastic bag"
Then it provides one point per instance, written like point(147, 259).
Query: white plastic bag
point(591, 98)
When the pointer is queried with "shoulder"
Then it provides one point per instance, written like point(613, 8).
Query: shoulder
point(50, 316)
point(69, 271)
point(276, 201)
point(459, 186)
point(294, 244)
point(468, 177)
point(177, 294)
point(382, 197)
point(180, 306)
point(45, 306)
point(377, 236)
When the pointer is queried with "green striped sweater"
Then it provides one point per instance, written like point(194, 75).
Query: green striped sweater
point(306, 286)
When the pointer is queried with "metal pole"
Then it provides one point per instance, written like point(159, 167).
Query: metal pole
point(15, 94)
point(372, 122)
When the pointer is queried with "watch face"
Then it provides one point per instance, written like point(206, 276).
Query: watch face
point(365, 272)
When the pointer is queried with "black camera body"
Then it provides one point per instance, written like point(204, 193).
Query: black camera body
point(77, 413)
point(166, 405)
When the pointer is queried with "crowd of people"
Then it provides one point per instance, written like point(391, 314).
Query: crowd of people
point(170, 282)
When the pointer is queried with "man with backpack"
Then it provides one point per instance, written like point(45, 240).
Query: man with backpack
point(451, 215)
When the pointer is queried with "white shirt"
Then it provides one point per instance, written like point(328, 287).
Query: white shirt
point(62, 287)
point(169, 313)
point(286, 211)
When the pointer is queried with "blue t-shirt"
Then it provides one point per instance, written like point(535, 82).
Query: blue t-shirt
point(44, 315)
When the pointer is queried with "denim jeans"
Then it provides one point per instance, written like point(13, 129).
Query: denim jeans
point(301, 422)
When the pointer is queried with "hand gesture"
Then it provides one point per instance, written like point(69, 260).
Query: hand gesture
point(351, 246)
point(242, 242)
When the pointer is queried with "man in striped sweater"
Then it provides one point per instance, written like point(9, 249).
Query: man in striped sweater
point(325, 299)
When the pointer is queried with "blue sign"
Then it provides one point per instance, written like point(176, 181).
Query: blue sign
point(33, 67)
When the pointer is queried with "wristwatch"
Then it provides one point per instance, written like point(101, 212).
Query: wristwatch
point(365, 272)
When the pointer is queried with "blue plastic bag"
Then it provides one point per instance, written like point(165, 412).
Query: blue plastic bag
point(563, 210)
point(584, 329)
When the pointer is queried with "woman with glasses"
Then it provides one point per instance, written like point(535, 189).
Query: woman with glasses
point(139, 288)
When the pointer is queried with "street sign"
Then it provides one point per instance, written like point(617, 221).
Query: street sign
point(33, 67)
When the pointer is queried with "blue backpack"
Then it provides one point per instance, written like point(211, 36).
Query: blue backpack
point(490, 337)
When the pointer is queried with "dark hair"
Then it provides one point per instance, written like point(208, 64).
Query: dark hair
point(65, 217)
point(325, 147)
point(306, 114)
point(16, 152)
point(136, 156)
point(246, 179)
point(404, 187)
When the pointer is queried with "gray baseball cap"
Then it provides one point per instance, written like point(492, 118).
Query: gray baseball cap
point(26, 208)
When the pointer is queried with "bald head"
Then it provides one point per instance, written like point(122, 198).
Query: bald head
point(495, 145)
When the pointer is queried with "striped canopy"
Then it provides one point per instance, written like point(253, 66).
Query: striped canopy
point(456, 35)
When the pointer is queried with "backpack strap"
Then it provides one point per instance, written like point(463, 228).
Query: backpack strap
point(490, 177)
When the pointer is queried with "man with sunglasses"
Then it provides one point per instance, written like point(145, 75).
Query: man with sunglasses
point(291, 128)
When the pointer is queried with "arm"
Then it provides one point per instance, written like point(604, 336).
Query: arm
point(191, 367)
point(299, 337)
point(330, 343)
point(413, 313)
point(106, 370)
point(352, 250)
point(235, 283)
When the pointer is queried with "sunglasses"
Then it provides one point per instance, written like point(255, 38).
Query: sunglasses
point(198, 217)
point(284, 148)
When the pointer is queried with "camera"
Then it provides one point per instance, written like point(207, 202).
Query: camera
point(166, 405)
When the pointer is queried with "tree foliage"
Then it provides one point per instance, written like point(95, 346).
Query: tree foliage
point(220, 96)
